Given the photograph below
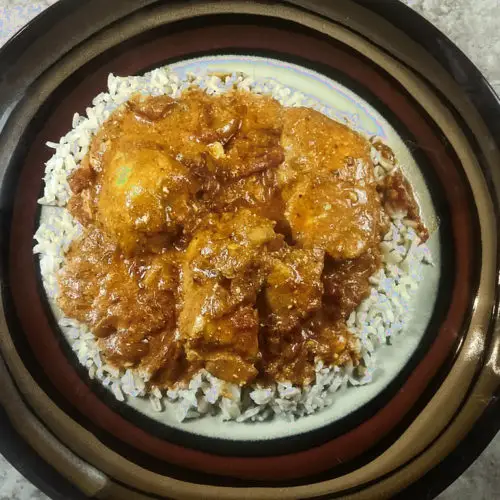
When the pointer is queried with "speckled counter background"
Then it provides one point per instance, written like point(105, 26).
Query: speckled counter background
point(474, 25)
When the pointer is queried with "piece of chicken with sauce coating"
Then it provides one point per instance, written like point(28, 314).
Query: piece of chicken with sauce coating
point(224, 269)
point(328, 185)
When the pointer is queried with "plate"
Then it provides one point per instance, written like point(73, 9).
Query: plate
point(344, 105)
point(435, 384)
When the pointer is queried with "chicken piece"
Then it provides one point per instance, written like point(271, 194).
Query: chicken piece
point(129, 182)
point(223, 271)
point(338, 217)
point(87, 262)
point(328, 185)
point(229, 245)
point(224, 266)
point(137, 296)
point(229, 346)
point(145, 197)
point(125, 302)
point(313, 143)
point(293, 287)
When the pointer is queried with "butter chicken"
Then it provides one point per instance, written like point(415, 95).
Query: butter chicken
point(227, 233)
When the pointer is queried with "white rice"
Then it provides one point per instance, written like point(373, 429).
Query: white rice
point(377, 319)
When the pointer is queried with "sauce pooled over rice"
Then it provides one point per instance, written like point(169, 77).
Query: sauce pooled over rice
point(227, 233)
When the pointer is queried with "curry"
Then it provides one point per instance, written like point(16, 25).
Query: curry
point(225, 232)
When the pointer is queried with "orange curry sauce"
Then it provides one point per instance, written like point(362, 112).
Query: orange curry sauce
point(227, 233)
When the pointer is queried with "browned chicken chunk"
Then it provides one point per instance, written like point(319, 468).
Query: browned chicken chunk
point(329, 187)
point(222, 274)
point(331, 148)
point(145, 194)
point(341, 219)
point(126, 303)
point(293, 287)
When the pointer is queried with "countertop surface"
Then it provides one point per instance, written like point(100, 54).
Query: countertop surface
point(474, 25)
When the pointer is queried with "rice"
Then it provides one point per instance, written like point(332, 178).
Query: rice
point(379, 318)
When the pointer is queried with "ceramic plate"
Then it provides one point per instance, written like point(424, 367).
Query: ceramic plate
point(407, 84)
point(345, 105)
